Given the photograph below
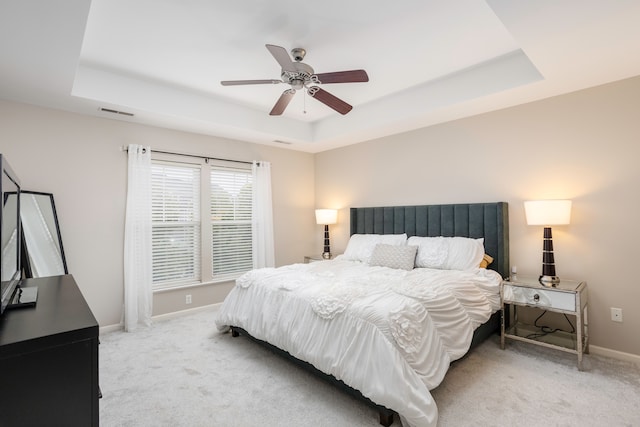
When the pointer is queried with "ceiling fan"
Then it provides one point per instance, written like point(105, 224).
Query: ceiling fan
point(301, 76)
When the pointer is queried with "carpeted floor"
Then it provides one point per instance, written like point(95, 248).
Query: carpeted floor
point(182, 372)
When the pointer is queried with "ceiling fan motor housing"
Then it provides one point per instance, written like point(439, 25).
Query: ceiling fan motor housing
point(300, 77)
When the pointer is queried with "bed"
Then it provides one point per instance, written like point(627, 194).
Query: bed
point(386, 335)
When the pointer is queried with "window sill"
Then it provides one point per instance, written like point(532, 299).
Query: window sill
point(171, 288)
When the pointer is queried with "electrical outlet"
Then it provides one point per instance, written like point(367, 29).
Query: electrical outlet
point(188, 299)
point(616, 314)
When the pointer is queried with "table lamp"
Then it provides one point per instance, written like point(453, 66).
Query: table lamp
point(326, 217)
point(548, 213)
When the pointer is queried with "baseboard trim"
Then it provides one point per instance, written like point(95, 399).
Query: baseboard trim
point(111, 328)
point(162, 317)
point(180, 313)
point(614, 354)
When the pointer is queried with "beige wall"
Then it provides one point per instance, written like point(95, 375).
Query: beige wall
point(79, 160)
point(583, 146)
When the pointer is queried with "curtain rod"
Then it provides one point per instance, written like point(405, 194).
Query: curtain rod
point(125, 148)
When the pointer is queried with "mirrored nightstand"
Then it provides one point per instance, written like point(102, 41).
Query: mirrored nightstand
point(567, 297)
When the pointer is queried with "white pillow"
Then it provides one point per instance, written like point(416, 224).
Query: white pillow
point(432, 251)
point(464, 253)
point(448, 253)
point(360, 246)
point(401, 257)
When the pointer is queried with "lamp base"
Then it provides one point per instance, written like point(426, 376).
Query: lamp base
point(549, 281)
point(326, 255)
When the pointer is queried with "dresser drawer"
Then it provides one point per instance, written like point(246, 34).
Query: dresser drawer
point(539, 297)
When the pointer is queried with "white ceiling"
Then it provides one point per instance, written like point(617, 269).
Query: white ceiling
point(428, 61)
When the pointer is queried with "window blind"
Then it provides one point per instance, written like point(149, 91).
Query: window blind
point(175, 211)
point(231, 218)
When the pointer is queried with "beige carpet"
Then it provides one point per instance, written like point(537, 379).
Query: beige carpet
point(182, 372)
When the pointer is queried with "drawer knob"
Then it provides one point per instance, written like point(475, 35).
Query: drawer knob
point(536, 297)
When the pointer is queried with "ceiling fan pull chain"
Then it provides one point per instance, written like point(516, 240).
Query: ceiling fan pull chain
point(304, 102)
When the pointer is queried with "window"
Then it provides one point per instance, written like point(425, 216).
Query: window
point(201, 223)
point(175, 223)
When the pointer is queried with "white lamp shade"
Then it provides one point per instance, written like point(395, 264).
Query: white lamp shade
point(326, 216)
point(548, 212)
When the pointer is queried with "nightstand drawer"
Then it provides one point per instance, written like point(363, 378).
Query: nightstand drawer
point(539, 297)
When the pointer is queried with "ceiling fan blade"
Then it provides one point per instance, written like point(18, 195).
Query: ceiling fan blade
point(249, 82)
point(329, 100)
point(282, 102)
point(351, 76)
point(282, 56)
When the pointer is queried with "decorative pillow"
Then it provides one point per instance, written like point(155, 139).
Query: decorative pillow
point(448, 253)
point(401, 257)
point(360, 246)
point(486, 260)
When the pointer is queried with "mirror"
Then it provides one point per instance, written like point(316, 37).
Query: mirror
point(43, 254)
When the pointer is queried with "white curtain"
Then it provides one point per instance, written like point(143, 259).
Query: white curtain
point(263, 248)
point(137, 240)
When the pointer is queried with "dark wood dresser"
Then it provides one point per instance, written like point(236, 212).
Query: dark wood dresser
point(49, 359)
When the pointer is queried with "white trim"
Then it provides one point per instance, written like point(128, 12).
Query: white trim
point(162, 317)
point(180, 313)
point(194, 285)
point(111, 328)
point(614, 354)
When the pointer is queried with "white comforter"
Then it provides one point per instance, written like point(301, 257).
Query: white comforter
point(389, 333)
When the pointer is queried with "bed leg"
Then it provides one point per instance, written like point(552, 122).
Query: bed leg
point(386, 419)
point(234, 333)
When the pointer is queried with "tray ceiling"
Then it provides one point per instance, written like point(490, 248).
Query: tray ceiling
point(428, 61)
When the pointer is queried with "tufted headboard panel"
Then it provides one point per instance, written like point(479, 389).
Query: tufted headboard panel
point(475, 220)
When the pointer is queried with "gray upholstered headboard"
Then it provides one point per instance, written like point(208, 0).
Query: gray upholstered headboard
point(488, 220)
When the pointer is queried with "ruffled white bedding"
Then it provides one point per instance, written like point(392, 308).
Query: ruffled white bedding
point(389, 333)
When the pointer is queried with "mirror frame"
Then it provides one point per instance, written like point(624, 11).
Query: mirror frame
point(26, 265)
